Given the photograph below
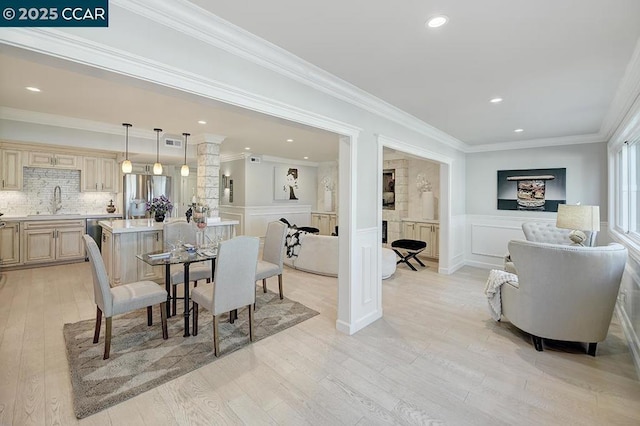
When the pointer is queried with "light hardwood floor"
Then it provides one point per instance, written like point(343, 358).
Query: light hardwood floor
point(435, 358)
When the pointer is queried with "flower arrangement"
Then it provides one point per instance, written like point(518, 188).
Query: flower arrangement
point(327, 183)
point(422, 183)
point(159, 205)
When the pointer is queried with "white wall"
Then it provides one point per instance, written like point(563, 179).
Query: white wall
point(236, 171)
point(260, 184)
point(586, 176)
point(489, 230)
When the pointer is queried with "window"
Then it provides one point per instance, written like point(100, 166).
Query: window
point(626, 193)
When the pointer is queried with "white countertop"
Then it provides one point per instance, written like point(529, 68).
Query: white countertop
point(59, 216)
point(142, 225)
point(409, 219)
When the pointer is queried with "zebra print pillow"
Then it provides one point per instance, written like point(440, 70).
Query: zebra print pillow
point(292, 241)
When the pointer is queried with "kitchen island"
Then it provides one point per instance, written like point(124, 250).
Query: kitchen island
point(122, 240)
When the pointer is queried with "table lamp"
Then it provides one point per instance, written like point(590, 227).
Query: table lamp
point(579, 218)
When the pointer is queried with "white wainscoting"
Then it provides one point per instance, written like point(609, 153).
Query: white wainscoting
point(366, 282)
point(487, 238)
point(628, 307)
point(254, 219)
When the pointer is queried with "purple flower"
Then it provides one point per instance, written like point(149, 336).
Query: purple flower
point(159, 205)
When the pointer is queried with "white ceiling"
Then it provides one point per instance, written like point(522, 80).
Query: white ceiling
point(72, 90)
point(557, 64)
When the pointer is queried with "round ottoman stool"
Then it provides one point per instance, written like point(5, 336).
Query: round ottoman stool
point(388, 263)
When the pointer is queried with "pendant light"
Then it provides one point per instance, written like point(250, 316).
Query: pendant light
point(157, 167)
point(184, 171)
point(126, 164)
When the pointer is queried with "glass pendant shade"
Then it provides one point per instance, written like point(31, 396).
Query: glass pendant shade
point(157, 167)
point(127, 167)
point(184, 171)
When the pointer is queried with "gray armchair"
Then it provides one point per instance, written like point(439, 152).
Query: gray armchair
point(547, 232)
point(563, 292)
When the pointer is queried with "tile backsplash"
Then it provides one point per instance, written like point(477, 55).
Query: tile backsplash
point(36, 196)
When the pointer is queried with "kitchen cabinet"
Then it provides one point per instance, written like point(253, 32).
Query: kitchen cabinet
point(427, 231)
point(52, 160)
point(119, 252)
point(141, 169)
point(11, 170)
point(10, 244)
point(53, 241)
point(325, 222)
point(99, 174)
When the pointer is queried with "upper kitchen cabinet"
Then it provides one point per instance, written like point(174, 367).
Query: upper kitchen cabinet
point(48, 159)
point(11, 170)
point(99, 174)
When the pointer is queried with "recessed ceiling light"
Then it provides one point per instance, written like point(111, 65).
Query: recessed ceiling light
point(247, 148)
point(289, 140)
point(306, 158)
point(437, 21)
point(519, 130)
point(495, 100)
point(202, 122)
point(32, 89)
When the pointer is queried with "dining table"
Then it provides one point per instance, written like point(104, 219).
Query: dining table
point(185, 258)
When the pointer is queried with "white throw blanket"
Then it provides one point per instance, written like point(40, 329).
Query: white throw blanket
point(492, 290)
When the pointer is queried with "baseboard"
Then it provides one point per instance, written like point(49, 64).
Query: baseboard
point(632, 338)
point(483, 265)
point(350, 329)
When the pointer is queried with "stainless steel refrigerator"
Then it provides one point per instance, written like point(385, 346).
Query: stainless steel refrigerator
point(138, 189)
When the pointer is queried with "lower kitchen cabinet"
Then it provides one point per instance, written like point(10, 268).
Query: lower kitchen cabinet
point(325, 222)
point(51, 241)
point(10, 244)
point(119, 252)
point(429, 232)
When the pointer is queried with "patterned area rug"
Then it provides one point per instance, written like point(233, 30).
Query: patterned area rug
point(140, 359)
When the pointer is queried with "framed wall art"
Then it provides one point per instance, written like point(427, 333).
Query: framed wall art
point(532, 189)
point(286, 183)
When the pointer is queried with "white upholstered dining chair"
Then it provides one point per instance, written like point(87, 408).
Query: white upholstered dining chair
point(272, 255)
point(182, 231)
point(121, 299)
point(233, 286)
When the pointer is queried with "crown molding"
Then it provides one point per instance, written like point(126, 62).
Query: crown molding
point(188, 18)
point(225, 158)
point(626, 96)
point(207, 138)
point(46, 119)
point(538, 143)
point(291, 161)
point(72, 48)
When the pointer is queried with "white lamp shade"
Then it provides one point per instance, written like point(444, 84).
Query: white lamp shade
point(157, 169)
point(583, 218)
point(127, 167)
point(184, 171)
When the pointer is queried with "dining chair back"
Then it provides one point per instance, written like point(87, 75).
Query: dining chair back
point(272, 255)
point(233, 286)
point(235, 272)
point(121, 299)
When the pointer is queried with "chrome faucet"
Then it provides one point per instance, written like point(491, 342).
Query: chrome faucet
point(57, 199)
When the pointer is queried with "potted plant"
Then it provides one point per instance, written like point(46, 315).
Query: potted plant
point(159, 207)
